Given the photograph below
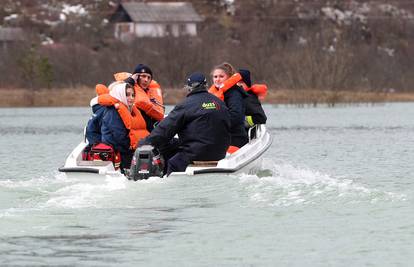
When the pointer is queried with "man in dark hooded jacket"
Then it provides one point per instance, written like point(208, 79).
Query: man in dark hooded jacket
point(202, 122)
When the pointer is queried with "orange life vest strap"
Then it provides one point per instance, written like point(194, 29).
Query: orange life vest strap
point(230, 82)
point(259, 89)
point(134, 123)
point(101, 89)
point(120, 76)
point(125, 115)
point(107, 100)
point(217, 92)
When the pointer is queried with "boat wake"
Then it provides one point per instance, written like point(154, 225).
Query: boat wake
point(103, 192)
point(270, 183)
point(59, 191)
point(285, 185)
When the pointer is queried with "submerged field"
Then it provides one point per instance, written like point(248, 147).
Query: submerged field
point(81, 97)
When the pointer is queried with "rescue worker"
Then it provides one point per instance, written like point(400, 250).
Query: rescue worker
point(233, 96)
point(148, 95)
point(202, 122)
point(108, 126)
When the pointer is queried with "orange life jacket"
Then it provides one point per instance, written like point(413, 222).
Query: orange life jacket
point(133, 120)
point(101, 89)
point(258, 89)
point(120, 76)
point(150, 101)
point(227, 84)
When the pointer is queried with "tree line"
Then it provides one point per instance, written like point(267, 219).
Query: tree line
point(280, 47)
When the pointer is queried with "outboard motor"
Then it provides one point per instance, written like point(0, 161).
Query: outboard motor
point(147, 162)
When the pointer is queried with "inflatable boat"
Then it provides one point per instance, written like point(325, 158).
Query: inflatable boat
point(259, 141)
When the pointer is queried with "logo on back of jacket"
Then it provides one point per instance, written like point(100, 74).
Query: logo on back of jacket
point(210, 105)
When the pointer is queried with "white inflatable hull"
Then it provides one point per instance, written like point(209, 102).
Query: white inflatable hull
point(231, 163)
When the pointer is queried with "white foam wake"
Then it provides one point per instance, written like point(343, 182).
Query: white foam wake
point(286, 185)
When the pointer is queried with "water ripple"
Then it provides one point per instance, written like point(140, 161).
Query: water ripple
point(32, 130)
point(335, 128)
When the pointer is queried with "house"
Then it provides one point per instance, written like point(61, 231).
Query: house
point(154, 19)
point(8, 35)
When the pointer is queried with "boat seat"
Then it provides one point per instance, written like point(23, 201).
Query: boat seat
point(211, 163)
point(93, 163)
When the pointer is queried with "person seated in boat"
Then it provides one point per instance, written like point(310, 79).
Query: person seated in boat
point(202, 122)
point(254, 111)
point(233, 95)
point(148, 95)
point(133, 118)
point(117, 123)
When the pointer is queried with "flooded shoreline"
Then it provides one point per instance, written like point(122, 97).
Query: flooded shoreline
point(72, 97)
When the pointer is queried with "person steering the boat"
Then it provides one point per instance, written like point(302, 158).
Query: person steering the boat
point(202, 122)
point(113, 124)
point(233, 95)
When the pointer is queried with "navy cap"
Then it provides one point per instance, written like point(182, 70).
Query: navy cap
point(141, 68)
point(246, 76)
point(196, 81)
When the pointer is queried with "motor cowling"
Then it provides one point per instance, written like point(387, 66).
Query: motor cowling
point(147, 162)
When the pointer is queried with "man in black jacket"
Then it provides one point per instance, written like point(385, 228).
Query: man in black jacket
point(202, 122)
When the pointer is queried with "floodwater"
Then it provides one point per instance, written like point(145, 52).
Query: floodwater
point(336, 188)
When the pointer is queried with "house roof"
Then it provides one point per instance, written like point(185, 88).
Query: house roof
point(11, 34)
point(161, 12)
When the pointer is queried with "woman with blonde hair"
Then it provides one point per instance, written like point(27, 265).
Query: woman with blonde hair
point(233, 96)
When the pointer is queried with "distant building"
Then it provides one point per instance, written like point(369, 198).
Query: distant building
point(155, 19)
point(9, 35)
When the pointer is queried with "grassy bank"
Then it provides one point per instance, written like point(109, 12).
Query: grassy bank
point(81, 97)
